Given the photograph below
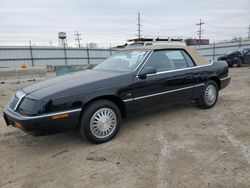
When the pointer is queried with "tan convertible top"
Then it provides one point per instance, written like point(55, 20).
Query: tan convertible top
point(198, 59)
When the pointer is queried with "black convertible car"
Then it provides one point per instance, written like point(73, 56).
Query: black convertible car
point(96, 100)
point(236, 56)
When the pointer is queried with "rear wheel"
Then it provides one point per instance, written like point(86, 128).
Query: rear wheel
point(230, 64)
point(100, 121)
point(209, 95)
point(239, 62)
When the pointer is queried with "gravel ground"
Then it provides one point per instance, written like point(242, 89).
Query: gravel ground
point(177, 146)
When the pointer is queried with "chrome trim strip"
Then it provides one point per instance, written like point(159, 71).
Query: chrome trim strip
point(165, 92)
point(226, 78)
point(128, 100)
point(20, 95)
point(175, 70)
point(198, 85)
point(145, 60)
point(48, 115)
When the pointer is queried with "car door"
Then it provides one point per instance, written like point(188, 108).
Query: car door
point(172, 82)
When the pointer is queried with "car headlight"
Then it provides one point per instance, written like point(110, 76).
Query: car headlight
point(16, 99)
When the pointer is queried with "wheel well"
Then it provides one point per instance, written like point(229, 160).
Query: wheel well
point(120, 104)
point(217, 81)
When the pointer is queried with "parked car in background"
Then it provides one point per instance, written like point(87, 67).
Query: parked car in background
point(96, 100)
point(237, 57)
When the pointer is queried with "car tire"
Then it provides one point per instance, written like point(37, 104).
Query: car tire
point(230, 64)
point(209, 95)
point(239, 62)
point(100, 121)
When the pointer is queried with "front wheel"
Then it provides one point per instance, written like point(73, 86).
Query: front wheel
point(100, 121)
point(209, 95)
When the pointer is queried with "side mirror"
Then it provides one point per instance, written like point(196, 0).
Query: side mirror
point(145, 71)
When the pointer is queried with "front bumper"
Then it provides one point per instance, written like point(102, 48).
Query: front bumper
point(224, 82)
point(42, 124)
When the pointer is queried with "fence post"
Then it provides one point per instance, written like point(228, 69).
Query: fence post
point(65, 54)
point(88, 54)
point(213, 51)
point(31, 55)
point(110, 50)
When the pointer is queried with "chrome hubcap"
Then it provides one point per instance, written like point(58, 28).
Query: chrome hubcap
point(210, 94)
point(103, 123)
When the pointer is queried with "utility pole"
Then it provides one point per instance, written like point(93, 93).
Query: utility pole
point(200, 32)
point(77, 34)
point(139, 25)
point(31, 54)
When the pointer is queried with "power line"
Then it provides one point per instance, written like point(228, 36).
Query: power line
point(78, 39)
point(200, 31)
point(139, 25)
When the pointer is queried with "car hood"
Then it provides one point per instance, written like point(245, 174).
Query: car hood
point(77, 82)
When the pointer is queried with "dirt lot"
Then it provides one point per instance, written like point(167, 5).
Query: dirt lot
point(179, 146)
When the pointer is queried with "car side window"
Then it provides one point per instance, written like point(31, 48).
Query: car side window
point(159, 61)
point(165, 60)
point(178, 59)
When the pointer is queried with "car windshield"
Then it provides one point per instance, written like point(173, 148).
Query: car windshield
point(122, 61)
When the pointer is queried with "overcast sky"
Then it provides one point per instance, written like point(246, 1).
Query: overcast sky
point(113, 21)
